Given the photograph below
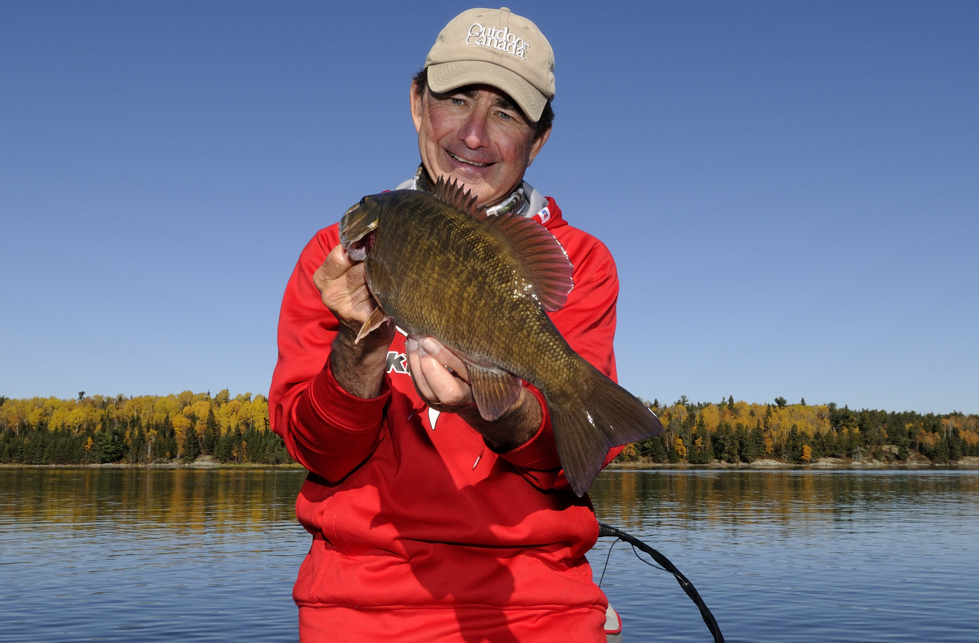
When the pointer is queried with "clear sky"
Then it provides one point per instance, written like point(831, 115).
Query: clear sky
point(790, 189)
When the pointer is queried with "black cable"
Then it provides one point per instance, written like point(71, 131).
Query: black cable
point(691, 591)
point(607, 556)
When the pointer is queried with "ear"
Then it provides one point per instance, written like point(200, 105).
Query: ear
point(417, 105)
point(538, 144)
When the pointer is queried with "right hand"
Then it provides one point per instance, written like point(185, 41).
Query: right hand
point(343, 287)
point(357, 367)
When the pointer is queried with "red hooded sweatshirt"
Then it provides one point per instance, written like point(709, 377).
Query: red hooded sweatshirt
point(420, 531)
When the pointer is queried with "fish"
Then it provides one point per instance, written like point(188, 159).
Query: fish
point(438, 265)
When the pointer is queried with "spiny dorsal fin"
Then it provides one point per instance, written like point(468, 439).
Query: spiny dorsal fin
point(453, 195)
point(541, 255)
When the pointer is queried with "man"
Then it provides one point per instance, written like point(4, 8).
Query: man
point(428, 522)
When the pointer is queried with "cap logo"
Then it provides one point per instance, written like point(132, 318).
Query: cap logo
point(495, 38)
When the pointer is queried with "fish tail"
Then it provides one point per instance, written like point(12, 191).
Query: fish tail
point(588, 421)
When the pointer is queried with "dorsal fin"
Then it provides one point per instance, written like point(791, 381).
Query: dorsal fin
point(546, 263)
point(541, 255)
point(453, 195)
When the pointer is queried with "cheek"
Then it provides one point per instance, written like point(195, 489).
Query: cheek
point(438, 124)
point(517, 155)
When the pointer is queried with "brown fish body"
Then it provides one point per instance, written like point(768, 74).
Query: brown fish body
point(480, 285)
point(437, 271)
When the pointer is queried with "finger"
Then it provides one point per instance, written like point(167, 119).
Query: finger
point(336, 263)
point(434, 382)
point(417, 372)
point(445, 357)
point(446, 386)
point(343, 288)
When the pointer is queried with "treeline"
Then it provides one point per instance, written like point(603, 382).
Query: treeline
point(138, 430)
point(180, 428)
point(738, 432)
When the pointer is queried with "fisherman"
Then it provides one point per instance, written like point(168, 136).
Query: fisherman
point(430, 523)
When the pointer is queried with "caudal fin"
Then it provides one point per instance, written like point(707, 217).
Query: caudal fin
point(597, 416)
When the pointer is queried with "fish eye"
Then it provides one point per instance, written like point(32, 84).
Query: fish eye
point(364, 200)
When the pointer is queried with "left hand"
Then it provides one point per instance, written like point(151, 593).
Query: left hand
point(442, 380)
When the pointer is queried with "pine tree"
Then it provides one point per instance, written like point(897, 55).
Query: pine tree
point(211, 430)
point(192, 447)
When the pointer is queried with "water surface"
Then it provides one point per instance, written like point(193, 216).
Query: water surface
point(797, 555)
point(211, 555)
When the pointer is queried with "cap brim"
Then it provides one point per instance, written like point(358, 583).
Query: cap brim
point(445, 77)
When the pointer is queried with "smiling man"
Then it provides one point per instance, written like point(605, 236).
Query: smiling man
point(430, 523)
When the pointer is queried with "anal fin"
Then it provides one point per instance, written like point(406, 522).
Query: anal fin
point(494, 390)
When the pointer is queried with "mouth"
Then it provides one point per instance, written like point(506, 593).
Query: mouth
point(459, 159)
point(357, 250)
point(357, 229)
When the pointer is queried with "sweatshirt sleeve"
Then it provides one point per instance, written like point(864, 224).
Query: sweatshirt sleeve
point(587, 322)
point(327, 430)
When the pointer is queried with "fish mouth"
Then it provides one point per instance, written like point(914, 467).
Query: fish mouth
point(357, 250)
point(357, 232)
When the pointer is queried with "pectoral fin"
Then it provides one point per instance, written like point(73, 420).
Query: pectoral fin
point(493, 389)
point(374, 321)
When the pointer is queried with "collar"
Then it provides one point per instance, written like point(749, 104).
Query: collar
point(524, 201)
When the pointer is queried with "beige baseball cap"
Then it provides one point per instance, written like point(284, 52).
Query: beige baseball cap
point(498, 48)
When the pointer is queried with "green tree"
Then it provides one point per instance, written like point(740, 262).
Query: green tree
point(112, 444)
point(192, 446)
point(212, 433)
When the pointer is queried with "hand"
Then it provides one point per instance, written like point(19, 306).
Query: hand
point(358, 367)
point(343, 287)
point(440, 377)
point(442, 380)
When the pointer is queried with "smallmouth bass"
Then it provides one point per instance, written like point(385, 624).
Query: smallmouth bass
point(482, 285)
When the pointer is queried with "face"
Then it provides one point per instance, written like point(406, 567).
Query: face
point(476, 135)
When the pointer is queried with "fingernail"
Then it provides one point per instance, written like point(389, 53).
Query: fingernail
point(430, 345)
point(411, 344)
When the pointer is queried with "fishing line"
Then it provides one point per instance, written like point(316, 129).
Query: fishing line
point(665, 565)
point(607, 556)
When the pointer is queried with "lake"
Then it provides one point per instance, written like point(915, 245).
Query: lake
point(210, 555)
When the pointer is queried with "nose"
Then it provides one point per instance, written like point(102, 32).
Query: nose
point(473, 131)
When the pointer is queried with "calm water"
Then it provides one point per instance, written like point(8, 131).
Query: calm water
point(164, 555)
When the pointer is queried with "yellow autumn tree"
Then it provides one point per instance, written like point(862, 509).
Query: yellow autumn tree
point(679, 447)
point(806, 453)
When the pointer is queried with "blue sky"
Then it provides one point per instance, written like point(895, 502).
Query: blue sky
point(790, 189)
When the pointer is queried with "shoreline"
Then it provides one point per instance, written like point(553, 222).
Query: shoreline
point(824, 464)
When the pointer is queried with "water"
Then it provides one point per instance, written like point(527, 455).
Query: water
point(163, 555)
point(148, 555)
point(797, 555)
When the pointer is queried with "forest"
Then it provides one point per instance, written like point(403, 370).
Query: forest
point(738, 432)
point(139, 430)
point(181, 428)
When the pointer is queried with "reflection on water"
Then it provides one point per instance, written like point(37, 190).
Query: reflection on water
point(163, 555)
point(222, 499)
point(148, 554)
point(709, 499)
point(797, 555)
